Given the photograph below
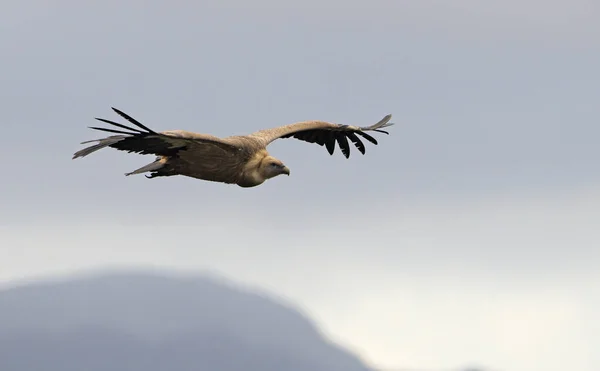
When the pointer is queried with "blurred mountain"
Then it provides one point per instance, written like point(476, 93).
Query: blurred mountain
point(148, 321)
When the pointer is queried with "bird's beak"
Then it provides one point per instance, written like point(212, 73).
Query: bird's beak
point(286, 170)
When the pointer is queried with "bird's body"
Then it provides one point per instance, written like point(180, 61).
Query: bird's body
point(242, 160)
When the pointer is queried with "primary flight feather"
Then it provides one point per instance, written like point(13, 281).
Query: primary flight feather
point(241, 160)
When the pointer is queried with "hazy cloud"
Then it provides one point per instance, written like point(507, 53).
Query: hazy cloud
point(502, 281)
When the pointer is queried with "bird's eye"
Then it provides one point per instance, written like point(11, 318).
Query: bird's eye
point(274, 164)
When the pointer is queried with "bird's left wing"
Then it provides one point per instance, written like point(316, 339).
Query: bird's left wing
point(325, 134)
point(142, 140)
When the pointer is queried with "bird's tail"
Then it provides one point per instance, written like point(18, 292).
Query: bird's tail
point(158, 164)
point(160, 167)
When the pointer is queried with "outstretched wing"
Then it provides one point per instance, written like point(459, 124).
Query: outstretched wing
point(326, 134)
point(143, 140)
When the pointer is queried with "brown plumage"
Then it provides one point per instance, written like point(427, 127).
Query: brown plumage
point(241, 160)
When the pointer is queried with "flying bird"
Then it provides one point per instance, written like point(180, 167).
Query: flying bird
point(240, 159)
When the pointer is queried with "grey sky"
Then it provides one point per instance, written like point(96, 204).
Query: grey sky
point(472, 226)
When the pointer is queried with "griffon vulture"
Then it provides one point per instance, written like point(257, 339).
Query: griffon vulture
point(241, 160)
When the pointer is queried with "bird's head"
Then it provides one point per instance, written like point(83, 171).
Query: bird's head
point(271, 167)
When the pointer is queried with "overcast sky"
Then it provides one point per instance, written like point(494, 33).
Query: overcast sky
point(468, 236)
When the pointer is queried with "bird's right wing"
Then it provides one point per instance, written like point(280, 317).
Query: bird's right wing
point(143, 140)
point(325, 133)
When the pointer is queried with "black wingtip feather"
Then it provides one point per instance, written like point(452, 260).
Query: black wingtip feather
point(344, 146)
point(132, 120)
point(367, 137)
point(357, 142)
point(121, 126)
point(330, 143)
point(110, 130)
